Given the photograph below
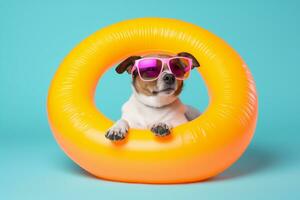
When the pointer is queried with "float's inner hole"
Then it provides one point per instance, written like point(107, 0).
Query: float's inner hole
point(113, 90)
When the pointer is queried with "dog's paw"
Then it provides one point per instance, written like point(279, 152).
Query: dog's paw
point(118, 131)
point(161, 129)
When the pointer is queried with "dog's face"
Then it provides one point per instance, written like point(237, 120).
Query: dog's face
point(165, 85)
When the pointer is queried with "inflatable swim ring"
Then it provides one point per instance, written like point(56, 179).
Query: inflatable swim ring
point(196, 150)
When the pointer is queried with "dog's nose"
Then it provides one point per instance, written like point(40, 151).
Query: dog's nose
point(169, 79)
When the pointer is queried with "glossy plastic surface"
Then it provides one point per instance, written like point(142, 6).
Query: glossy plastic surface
point(195, 150)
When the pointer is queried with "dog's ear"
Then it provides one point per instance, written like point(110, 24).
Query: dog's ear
point(195, 62)
point(127, 64)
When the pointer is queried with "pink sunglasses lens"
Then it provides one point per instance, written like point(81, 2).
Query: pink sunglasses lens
point(149, 68)
point(180, 67)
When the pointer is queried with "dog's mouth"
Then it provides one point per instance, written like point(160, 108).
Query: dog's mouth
point(165, 90)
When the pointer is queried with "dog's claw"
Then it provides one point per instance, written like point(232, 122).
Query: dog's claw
point(117, 132)
point(115, 135)
point(161, 129)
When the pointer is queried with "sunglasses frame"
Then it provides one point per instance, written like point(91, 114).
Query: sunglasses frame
point(163, 61)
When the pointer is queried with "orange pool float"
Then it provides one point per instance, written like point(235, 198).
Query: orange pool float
point(196, 150)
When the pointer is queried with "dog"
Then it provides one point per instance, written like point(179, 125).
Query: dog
point(153, 105)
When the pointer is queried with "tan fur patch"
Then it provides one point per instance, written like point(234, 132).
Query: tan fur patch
point(179, 87)
point(144, 87)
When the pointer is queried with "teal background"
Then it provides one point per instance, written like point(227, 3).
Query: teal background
point(35, 36)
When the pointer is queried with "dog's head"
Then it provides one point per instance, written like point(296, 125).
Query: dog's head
point(166, 85)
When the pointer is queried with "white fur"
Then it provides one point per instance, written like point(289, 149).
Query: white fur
point(158, 100)
point(143, 111)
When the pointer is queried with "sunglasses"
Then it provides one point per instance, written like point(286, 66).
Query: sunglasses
point(150, 68)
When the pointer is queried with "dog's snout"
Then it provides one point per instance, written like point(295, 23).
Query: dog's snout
point(169, 79)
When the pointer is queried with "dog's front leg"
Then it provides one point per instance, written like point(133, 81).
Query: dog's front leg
point(118, 131)
point(161, 129)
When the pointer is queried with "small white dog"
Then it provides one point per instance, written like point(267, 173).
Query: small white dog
point(157, 81)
